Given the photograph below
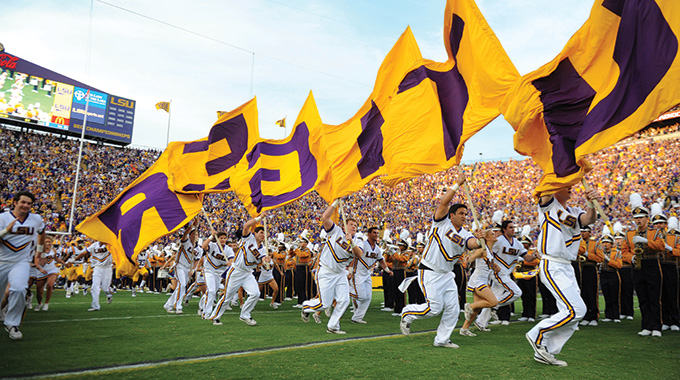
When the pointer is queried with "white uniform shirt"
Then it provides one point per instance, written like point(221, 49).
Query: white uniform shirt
point(142, 259)
point(369, 256)
point(560, 234)
point(185, 256)
point(445, 245)
point(100, 257)
point(506, 252)
point(336, 252)
point(216, 259)
point(249, 253)
point(76, 252)
point(19, 244)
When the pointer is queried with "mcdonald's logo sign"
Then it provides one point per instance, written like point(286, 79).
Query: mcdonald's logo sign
point(60, 120)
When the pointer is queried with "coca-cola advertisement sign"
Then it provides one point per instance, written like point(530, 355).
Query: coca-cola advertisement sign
point(8, 61)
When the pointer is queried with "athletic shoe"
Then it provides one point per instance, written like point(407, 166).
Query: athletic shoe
point(404, 326)
point(274, 306)
point(109, 298)
point(542, 316)
point(622, 316)
point(335, 331)
point(169, 309)
point(316, 317)
point(297, 306)
point(584, 323)
point(494, 315)
point(305, 316)
point(386, 309)
point(396, 314)
point(606, 320)
point(179, 311)
point(359, 321)
point(216, 322)
point(630, 317)
point(75, 292)
point(466, 332)
point(656, 333)
point(592, 323)
point(68, 294)
point(29, 301)
point(92, 309)
point(85, 291)
point(328, 312)
point(482, 328)
point(663, 327)
point(467, 309)
point(448, 344)
point(134, 293)
point(14, 333)
point(542, 355)
point(141, 290)
point(288, 299)
point(645, 332)
point(505, 323)
point(523, 319)
point(199, 312)
point(555, 362)
point(249, 321)
point(495, 323)
point(675, 328)
point(46, 306)
point(617, 321)
point(37, 308)
point(531, 320)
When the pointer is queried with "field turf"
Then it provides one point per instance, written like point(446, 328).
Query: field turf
point(136, 338)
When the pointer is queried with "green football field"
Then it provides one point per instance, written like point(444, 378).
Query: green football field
point(136, 338)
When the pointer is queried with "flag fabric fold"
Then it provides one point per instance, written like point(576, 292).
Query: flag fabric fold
point(165, 106)
point(616, 74)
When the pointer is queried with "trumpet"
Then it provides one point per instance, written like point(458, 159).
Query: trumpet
point(637, 253)
point(581, 258)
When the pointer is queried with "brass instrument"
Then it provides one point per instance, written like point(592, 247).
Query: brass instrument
point(637, 252)
point(581, 258)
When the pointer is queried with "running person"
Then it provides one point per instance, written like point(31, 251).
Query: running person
point(184, 260)
point(19, 230)
point(558, 244)
point(102, 263)
point(45, 273)
point(447, 240)
point(331, 277)
point(248, 256)
point(217, 254)
point(361, 285)
point(478, 284)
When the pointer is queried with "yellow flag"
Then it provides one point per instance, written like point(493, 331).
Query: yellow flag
point(206, 165)
point(439, 106)
point(146, 210)
point(163, 106)
point(616, 74)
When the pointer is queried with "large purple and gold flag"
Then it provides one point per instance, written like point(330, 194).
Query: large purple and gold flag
point(146, 210)
point(616, 74)
point(437, 106)
point(207, 165)
point(276, 172)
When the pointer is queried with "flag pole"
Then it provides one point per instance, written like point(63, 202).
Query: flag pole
point(80, 158)
point(598, 207)
point(167, 141)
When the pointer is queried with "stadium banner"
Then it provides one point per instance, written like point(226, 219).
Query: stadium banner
point(616, 74)
point(35, 96)
point(145, 211)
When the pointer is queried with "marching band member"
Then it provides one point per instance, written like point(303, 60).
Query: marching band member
point(647, 244)
point(558, 245)
point(625, 274)
point(669, 265)
point(589, 289)
point(529, 285)
point(610, 282)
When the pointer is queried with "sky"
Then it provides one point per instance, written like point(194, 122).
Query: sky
point(209, 56)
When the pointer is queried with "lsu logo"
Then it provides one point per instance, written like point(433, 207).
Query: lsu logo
point(24, 231)
point(568, 220)
point(455, 238)
point(122, 102)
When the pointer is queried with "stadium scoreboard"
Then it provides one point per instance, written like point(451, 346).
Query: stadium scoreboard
point(35, 97)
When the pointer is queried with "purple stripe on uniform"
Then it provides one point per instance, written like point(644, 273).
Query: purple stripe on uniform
point(566, 98)
point(370, 142)
point(644, 52)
